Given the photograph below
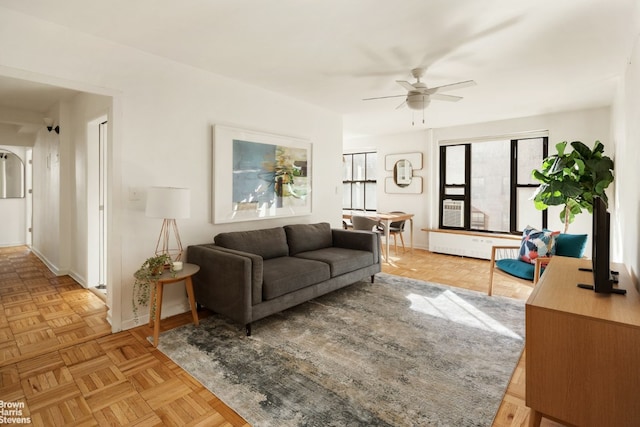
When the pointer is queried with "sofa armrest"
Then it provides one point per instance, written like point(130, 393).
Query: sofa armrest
point(358, 240)
point(228, 281)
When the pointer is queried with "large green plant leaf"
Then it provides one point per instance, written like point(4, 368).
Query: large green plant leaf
point(573, 179)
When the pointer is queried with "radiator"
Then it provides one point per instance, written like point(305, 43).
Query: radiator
point(473, 245)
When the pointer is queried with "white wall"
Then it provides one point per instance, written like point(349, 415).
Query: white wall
point(626, 223)
point(586, 126)
point(162, 117)
point(83, 110)
point(410, 142)
point(46, 198)
point(13, 211)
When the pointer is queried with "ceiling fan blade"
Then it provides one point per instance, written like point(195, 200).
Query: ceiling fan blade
point(401, 105)
point(405, 84)
point(443, 97)
point(451, 86)
point(383, 97)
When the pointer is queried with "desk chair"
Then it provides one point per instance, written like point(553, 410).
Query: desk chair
point(506, 260)
point(395, 228)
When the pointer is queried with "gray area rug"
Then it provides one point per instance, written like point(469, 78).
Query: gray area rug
point(398, 352)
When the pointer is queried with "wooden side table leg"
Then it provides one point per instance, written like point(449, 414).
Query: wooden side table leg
point(152, 297)
point(156, 326)
point(192, 300)
point(535, 418)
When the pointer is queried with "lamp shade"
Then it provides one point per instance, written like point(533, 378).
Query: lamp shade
point(168, 202)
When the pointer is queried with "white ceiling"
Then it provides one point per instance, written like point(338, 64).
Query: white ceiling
point(528, 57)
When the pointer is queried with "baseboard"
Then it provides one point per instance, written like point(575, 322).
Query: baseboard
point(167, 311)
point(9, 245)
point(51, 266)
point(80, 279)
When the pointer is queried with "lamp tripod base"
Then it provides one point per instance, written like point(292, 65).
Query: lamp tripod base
point(162, 246)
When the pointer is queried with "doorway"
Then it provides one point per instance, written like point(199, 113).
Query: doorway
point(97, 186)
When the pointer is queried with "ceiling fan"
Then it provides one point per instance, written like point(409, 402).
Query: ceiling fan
point(419, 96)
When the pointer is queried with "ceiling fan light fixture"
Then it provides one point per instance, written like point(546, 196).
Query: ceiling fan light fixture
point(418, 101)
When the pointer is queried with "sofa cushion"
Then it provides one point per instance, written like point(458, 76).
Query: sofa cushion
point(268, 243)
point(308, 237)
point(340, 260)
point(288, 274)
point(515, 267)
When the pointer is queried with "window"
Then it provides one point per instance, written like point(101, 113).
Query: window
point(488, 185)
point(359, 181)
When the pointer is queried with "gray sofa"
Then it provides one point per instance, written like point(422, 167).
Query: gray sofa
point(249, 275)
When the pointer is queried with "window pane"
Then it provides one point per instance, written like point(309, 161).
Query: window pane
point(359, 167)
point(529, 158)
point(372, 163)
point(346, 196)
point(454, 191)
point(357, 190)
point(346, 167)
point(455, 164)
point(527, 212)
point(490, 184)
point(370, 196)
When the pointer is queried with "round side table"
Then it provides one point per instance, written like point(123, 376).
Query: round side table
point(166, 278)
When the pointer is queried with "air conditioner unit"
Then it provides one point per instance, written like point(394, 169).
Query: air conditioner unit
point(453, 213)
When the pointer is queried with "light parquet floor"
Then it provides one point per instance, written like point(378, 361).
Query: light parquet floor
point(57, 354)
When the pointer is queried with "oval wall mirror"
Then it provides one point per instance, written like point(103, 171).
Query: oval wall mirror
point(11, 175)
point(402, 173)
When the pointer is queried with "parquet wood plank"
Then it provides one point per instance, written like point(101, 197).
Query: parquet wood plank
point(111, 395)
point(134, 411)
point(53, 397)
point(81, 352)
point(8, 352)
point(165, 392)
point(36, 341)
point(72, 411)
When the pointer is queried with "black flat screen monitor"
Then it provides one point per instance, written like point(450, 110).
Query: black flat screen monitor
point(603, 279)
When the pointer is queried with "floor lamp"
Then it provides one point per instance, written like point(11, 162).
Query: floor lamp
point(168, 203)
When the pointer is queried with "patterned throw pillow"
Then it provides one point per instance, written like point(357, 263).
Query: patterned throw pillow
point(537, 243)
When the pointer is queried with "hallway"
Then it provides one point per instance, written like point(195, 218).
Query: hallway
point(40, 312)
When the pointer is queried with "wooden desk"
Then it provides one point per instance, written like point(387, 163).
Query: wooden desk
point(583, 349)
point(386, 219)
point(166, 278)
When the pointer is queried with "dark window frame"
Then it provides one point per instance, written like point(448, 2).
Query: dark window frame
point(364, 182)
point(466, 186)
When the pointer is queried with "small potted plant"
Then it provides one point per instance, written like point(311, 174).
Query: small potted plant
point(145, 277)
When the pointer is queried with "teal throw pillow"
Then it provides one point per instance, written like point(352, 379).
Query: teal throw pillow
point(571, 245)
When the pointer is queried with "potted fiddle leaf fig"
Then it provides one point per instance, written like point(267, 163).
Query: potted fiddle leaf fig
point(572, 179)
point(145, 277)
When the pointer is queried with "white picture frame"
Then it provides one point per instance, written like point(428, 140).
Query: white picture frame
point(258, 175)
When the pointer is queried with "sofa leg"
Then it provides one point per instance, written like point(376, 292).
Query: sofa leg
point(247, 328)
point(373, 276)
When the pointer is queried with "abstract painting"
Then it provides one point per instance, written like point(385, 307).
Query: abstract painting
point(259, 175)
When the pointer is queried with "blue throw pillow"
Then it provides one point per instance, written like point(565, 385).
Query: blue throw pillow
point(571, 245)
point(537, 243)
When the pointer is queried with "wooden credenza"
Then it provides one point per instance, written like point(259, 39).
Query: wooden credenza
point(582, 349)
